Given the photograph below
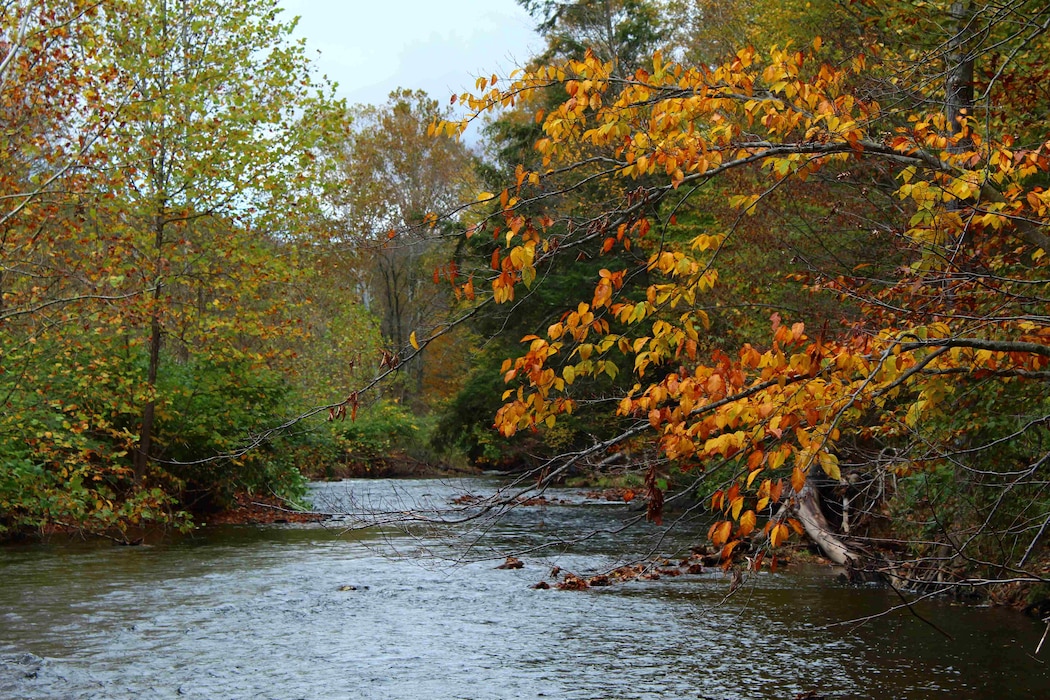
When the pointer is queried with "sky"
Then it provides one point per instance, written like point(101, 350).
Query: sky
point(371, 47)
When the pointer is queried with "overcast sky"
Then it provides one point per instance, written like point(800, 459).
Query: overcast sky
point(371, 47)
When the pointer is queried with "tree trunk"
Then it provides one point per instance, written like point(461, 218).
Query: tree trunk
point(959, 73)
point(816, 526)
point(142, 455)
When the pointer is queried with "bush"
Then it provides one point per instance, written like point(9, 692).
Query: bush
point(381, 430)
point(215, 407)
point(66, 450)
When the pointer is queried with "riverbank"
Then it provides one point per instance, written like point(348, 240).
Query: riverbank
point(253, 509)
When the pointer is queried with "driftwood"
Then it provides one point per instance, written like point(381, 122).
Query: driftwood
point(818, 529)
point(806, 507)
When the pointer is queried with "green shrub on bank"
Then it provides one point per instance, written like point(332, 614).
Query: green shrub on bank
point(209, 426)
point(385, 429)
point(66, 451)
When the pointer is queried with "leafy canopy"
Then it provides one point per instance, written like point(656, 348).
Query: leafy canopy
point(963, 303)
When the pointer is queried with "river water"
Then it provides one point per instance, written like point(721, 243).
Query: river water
point(294, 611)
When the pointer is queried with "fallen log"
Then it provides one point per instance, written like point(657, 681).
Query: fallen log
point(807, 508)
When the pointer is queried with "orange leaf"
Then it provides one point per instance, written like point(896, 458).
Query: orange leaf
point(719, 532)
point(602, 294)
point(798, 479)
point(755, 460)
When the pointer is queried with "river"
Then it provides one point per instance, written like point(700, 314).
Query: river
point(317, 611)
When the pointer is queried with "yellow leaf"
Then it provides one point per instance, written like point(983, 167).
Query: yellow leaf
point(830, 464)
point(747, 523)
point(737, 506)
point(778, 535)
point(413, 341)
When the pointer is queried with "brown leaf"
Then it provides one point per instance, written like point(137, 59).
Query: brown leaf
point(655, 511)
point(573, 583)
point(511, 563)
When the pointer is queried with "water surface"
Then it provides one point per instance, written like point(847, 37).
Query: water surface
point(393, 612)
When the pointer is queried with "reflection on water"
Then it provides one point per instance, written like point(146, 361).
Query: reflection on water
point(317, 612)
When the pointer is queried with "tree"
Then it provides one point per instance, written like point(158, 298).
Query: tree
point(53, 116)
point(148, 273)
point(623, 31)
point(391, 177)
point(214, 130)
point(939, 358)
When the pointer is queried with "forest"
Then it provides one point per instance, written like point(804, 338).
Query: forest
point(780, 265)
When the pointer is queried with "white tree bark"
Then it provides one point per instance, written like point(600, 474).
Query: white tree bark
point(818, 529)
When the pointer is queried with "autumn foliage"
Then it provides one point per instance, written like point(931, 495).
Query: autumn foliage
point(805, 275)
point(153, 192)
point(952, 309)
